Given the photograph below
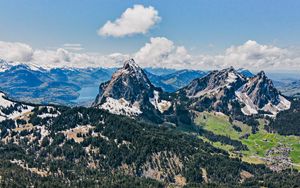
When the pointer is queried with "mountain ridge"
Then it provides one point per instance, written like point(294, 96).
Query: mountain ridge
point(227, 91)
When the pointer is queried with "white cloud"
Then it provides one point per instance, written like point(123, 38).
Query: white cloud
point(161, 52)
point(50, 56)
point(253, 56)
point(256, 56)
point(64, 58)
point(15, 51)
point(138, 19)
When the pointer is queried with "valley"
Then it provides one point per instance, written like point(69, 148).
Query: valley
point(258, 144)
point(204, 134)
point(149, 94)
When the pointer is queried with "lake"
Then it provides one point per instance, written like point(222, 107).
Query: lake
point(87, 94)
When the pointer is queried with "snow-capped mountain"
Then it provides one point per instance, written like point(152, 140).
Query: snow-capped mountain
point(130, 92)
point(259, 93)
point(10, 109)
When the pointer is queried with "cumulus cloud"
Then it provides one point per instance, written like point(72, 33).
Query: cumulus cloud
point(162, 52)
point(253, 56)
point(15, 51)
point(138, 19)
point(63, 58)
point(256, 56)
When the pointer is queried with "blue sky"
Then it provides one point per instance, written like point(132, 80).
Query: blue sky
point(201, 26)
point(198, 24)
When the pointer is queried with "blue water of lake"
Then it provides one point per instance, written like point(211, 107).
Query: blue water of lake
point(87, 94)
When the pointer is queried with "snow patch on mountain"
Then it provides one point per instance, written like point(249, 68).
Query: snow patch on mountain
point(121, 107)
point(214, 83)
point(45, 115)
point(250, 108)
point(284, 104)
point(259, 94)
point(21, 111)
point(16, 111)
point(4, 103)
point(208, 92)
point(2, 118)
point(161, 105)
point(231, 77)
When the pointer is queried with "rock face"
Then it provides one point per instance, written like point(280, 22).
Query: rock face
point(229, 91)
point(215, 82)
point(215, 91)
point(130, 92)
point(259, 93)
point(129, 82)
point(261, 90)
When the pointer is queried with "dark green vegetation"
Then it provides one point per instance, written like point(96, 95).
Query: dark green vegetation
point(14, 176)
point(256, 147)
point(84, 147)
point(288, 122)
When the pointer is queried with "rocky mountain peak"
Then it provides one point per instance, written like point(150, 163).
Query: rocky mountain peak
point(127, 82)
point(262, 74)
point(131, 65)
point(259, 93)
point(131, 70)
point(214, 82)
point(128, 91)
point(261, 90)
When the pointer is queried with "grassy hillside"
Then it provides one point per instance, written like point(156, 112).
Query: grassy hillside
point(258, 144)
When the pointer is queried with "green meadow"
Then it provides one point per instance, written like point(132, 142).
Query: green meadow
point(258, 143)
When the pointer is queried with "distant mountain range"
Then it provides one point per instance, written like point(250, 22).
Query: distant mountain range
point(56, 86)
point(73, 86)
